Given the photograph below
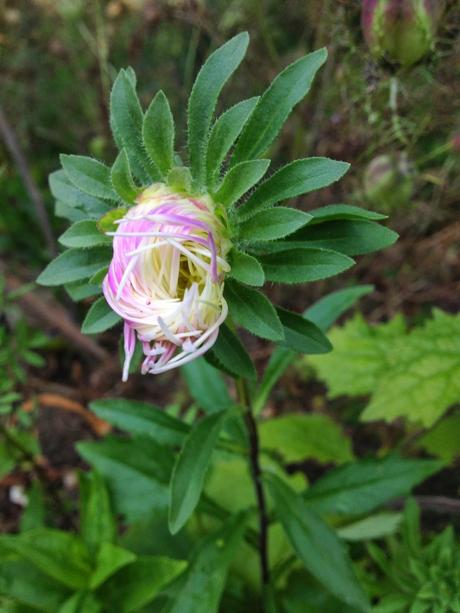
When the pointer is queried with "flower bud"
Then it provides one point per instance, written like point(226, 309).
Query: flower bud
point(166, 277)
point(388, 181)
point(401, 31)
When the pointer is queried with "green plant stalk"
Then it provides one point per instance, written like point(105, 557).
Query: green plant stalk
point(256, 473)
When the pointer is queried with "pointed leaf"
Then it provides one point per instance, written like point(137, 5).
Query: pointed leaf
point(210, 80)
point(302, 335)
point(122, 179)
point(224, 133)
point(301, 265)
point(84, 234)
point(294, 179)
point(317, 545)
point(74, 265)
point(110, 558)
point(230, 352)
point(344, 211)
point(239, 180)
point(88, 175)
point(97, 523)
point(252, 310)
point(67, 194)
point(274, 107)
point(206, 386)
point(246, 269)
point(158, 133)
point(99, 318)
point(272, 224)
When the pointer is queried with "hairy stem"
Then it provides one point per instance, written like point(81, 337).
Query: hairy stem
point(256, 474)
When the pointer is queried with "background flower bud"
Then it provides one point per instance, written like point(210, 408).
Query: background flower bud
point(401, 31)
point(388, 181)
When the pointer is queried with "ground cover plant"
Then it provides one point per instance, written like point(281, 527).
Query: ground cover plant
point(197, 480)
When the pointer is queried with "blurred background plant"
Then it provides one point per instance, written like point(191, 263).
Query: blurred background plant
point(388, 102)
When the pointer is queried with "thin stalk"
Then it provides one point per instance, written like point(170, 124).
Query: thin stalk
point(256, 474)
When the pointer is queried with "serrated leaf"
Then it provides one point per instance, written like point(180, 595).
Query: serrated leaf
point(317, 545)
point(141, 418)
point(300, 265)
point(202, 102)
point(188, 476)
point(61, 555)
point(84, 234)
point(272, 224)
point(274, 107)
point(122, 179)
point(239, 180)
point(223, 135)
point(302, 436)
point(323, 313)
point(97, 523)
point(74, 265)
point(126, 118)
point(158, 133)
point(252, 310)
point(348, 237)
point(332, 212)
point(245, 268)
point(294, 179)
point(137, 472)
point(302, 335)
point(361, 487)
point(88, 175)
point(99, 318)
point(230, 352)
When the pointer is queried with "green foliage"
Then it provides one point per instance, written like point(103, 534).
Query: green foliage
point(301, 335)
point(443, 440)
point(88, 175)
point(408, 374)
point(158, 133)
point(239, 180)
point(273, 224)
point(84, 234)
point(74, 265)
point(99, 318)
point(122, 178)
point(412, 575)
point(230, 353)
point(246, 269)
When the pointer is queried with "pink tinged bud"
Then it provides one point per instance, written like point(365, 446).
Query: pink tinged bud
point(166, 278)
point(401, 31)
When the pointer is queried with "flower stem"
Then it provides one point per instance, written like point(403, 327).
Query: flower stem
point(256, 473)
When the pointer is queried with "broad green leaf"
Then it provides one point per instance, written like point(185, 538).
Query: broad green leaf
point(88, 175)
point(302, 436)
point(140, 582)
point(213, 75)
point(328, 309)
point(84, 234)
point(423, 379)
point(274, 107)
point(74, 265)
point(206, 386)
point(301, 265)
point(246, 269)
point(252, 310)
point(99, 276)
point(361, 487)
point(126, 118)
point(202, 586)
point(373, 527)
point(158, 133)
point(272, 224)
point(303, 594)
point(323, 314)
point(231, 354)
point(302, 335)
point(239, 180)
point(136, 470)
point(107, 223)
point(349, 237)
point(191, 467)
point(317, 546)
point(122, 179)
point(72, 214)
point(140, 418)
point(61, 555)
point(294, 179)
point(443, 440)
point(110, 558)
point(34, 515)
point(97, 523)
point(99, 318)
point(66, 192)
point(30, 587)
point(332, 212)
point(223, 135)
point(81, 602)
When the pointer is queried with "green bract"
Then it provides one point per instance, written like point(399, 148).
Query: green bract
point(227, 159)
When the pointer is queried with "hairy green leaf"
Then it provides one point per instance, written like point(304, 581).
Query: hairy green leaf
point(246, 269)
point(333, 212)
point(239, 180)
point(122, 179)
point(84, 234)
point(99, 318)
point(74, 199)
point(302, 335)
point(158, 133)
point(272, 224)
point(231, 354)
point(88, 175)
point(74, 265)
